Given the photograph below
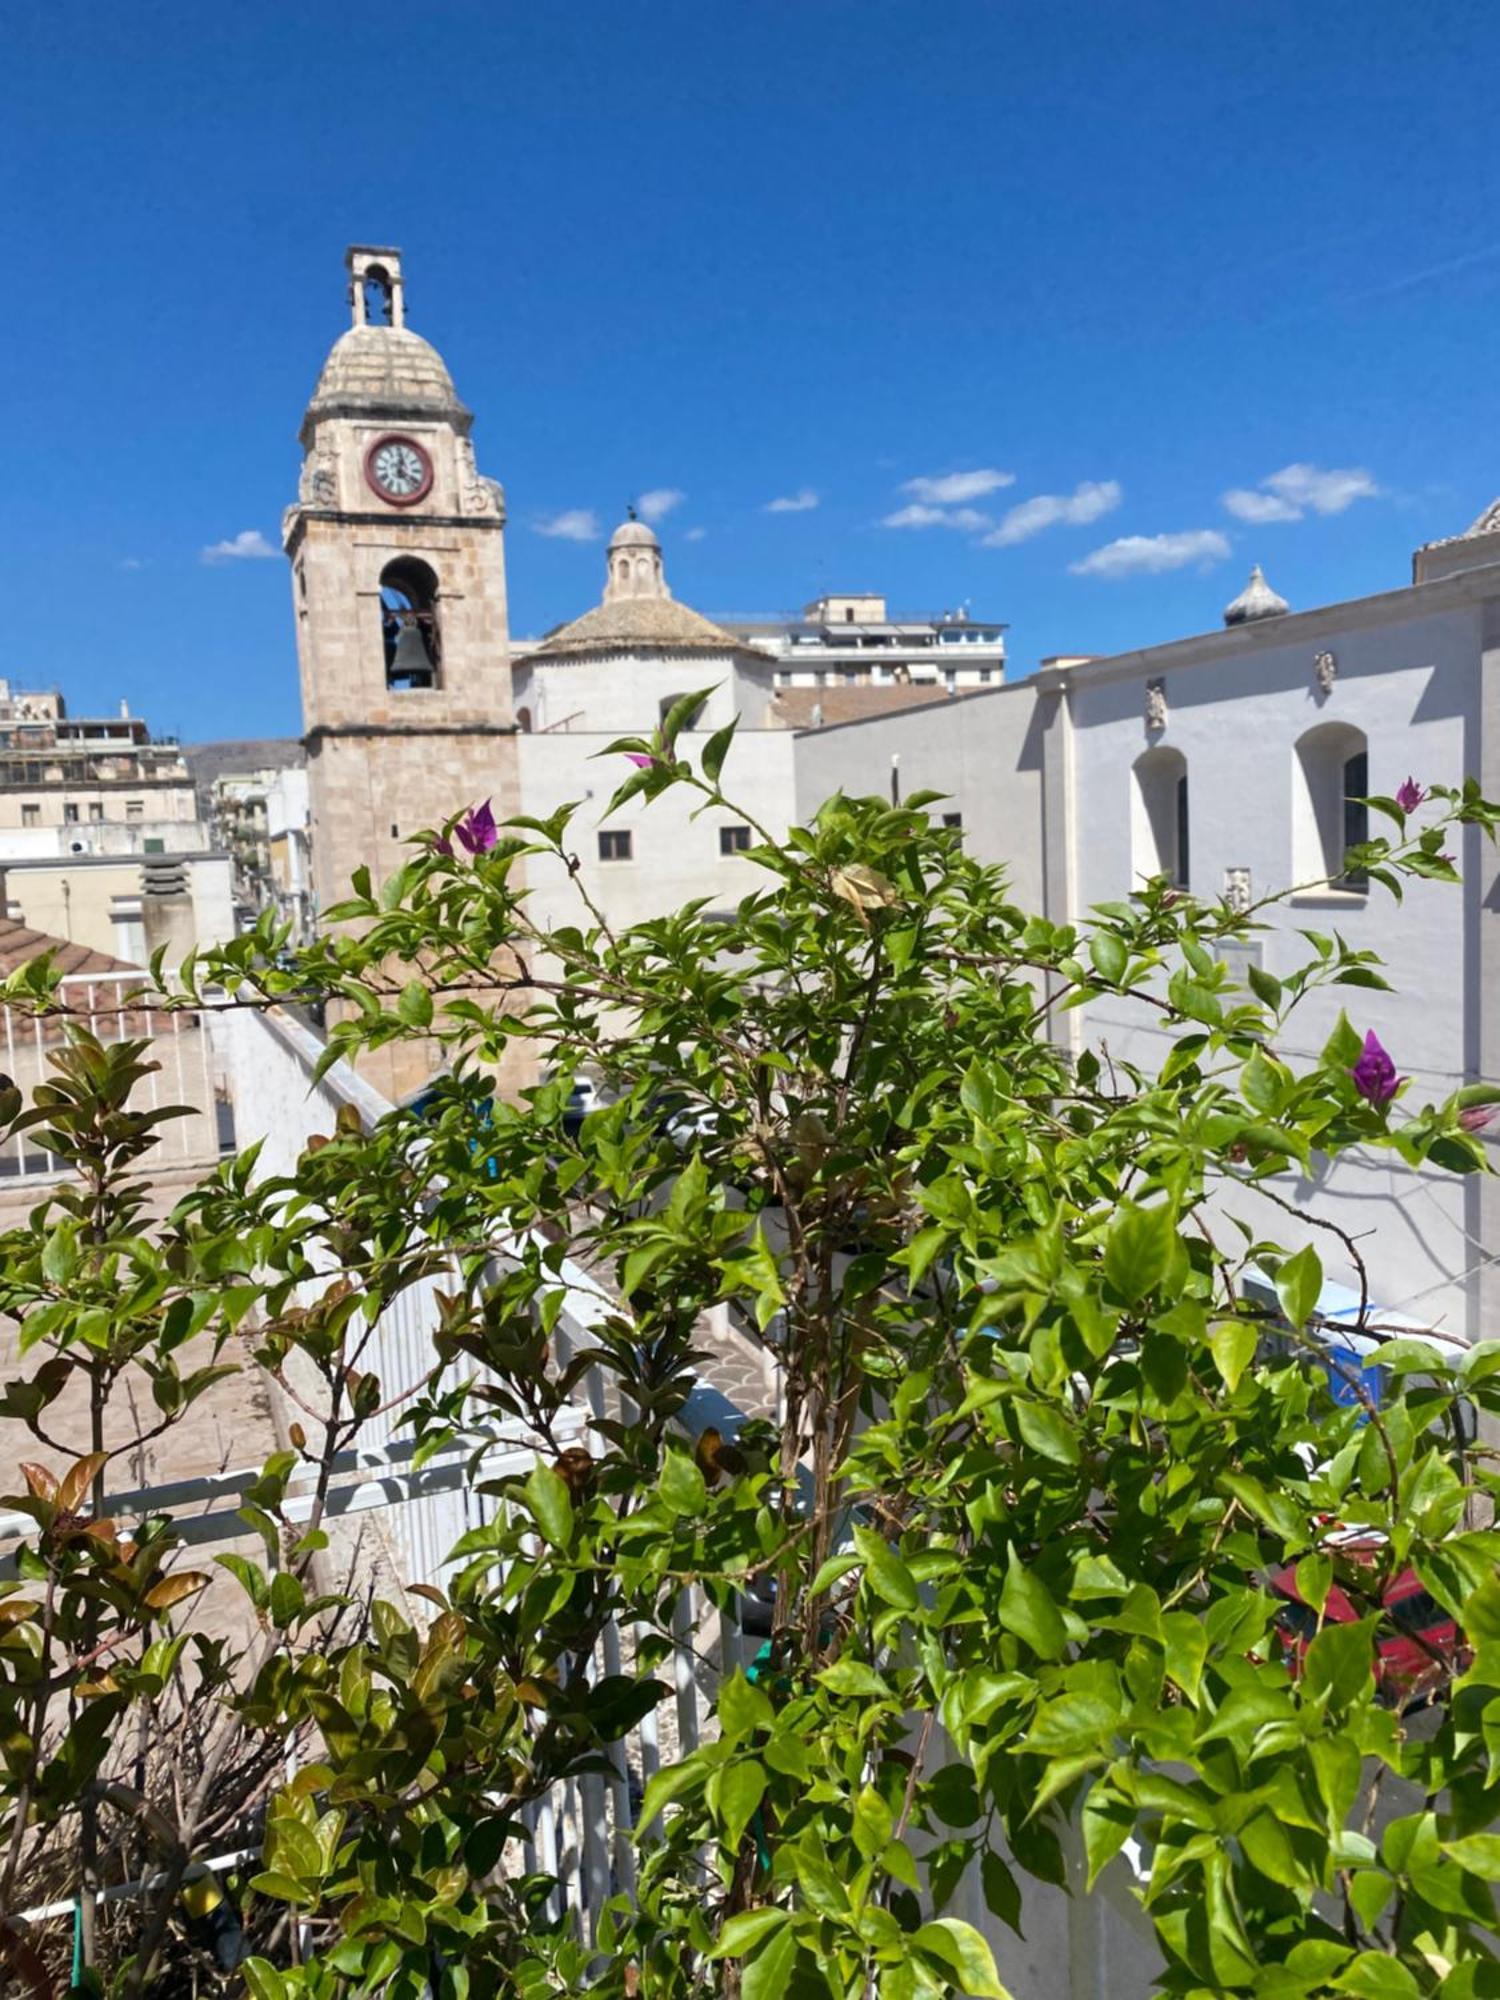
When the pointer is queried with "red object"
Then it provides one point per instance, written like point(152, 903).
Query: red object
point(1425, 1649)
point(392, 497)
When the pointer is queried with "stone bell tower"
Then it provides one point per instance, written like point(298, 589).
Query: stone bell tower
point(397, 547)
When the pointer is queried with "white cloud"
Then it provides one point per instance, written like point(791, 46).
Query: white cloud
point(659, 502)
point(949, 488)
point(1149, 555)
point(574, 524)
point(793, 503)
point(131, 562)
point(1289, 494)
point(1247, 505)
point(1090, 499)
point(695, 534)
point(250, 545)
point(919, 515)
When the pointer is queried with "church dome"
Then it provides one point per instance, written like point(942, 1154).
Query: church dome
point(633, 534)
point(387, 372)
point(1256, 600)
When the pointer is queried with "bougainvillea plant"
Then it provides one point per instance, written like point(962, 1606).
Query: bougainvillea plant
point(1054, 1420)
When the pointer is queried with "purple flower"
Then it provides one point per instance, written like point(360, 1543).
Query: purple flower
point(441, 844)
point(641, 763)
point(1374, 1074)
point(1476, 1117)
point(477, 830)
point(1409, 796)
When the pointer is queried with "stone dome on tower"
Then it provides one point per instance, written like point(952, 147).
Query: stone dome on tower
point(378, 367)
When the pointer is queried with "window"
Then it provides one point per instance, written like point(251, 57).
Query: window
point(96, 810)
point(1356, 814)
point(614, 845)
point(848, 614)
point(954, 820)
point(135, 809)
point(409, 626)
point(31, 814)
point(70, 814)
point(734, 839)
point(1159, 818)
point(1330, 781)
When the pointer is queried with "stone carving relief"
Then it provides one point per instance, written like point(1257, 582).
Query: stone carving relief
point(1156, 704)
point(476, 495)
point(1325, 673)
point(319, 485)
point(1237, 896)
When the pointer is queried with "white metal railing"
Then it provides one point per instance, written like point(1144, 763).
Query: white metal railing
point(187, 1070)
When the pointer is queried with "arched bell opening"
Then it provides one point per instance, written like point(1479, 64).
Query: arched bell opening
point(410, 627)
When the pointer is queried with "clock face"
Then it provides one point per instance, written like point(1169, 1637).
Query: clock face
point(399, 470)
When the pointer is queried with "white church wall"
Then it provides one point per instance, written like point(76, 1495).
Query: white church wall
point(1409, 689)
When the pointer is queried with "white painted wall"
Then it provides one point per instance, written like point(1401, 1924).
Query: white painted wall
point(984, 752)
point(1411, 686)
point(623, 694)
point(675, 857)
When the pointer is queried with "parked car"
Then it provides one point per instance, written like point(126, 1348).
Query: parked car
point(1425, 1650)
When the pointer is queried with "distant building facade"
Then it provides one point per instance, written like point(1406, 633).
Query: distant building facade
point(101, 841)
point(64, 777)
point(853, 640)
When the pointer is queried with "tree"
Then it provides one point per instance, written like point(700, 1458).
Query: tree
point(1042, 1452)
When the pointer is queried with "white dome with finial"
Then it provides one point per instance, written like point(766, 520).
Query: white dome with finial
point(1256, 600)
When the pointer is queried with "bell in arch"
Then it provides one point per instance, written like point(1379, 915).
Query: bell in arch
point(411, 663)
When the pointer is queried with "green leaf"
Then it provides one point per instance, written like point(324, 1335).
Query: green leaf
point(1299, 1285)
point(1232, 1345)
point(683, 1487)
point(286, 1599)
point(415, 1004)
point(960, 1946)
point(742, 1709)
point(1478, 1852)
point(1138, 1250)
point(1026, 1608)
point(551, 1505)
point(716, 749)
point(263, 1980)
point(1109, 956)
point(60, 1253)
point(885, 1572)
point(1264, 985)
point(746, 1929)
point(768, 1971)
point(874, 1823)
point(1047, 1431)
point(667, 1785)
point(1340, 1662)
point(741, 1787)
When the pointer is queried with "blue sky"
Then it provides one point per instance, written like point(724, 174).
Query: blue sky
point(1133, 257)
